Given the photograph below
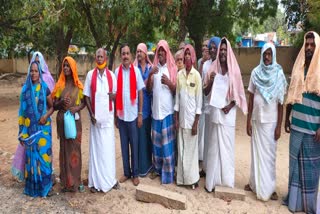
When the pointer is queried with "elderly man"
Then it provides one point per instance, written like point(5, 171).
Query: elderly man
point(304, 102)
point(267, 88)
point(178, 57)
point(162, 83)
point(205, 121)
point(99, 90)
point(144, 64)
point(224, 81)
point(187, 111)
point(128, 117)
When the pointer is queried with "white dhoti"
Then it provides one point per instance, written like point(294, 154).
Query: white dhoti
point(220, 157)
point(207, 130)
point(102, 167)
point(201, 136)
point(263, 160)
point(188, 168)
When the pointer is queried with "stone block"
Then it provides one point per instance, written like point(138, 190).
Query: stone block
point(229, 193)
point(151, 194)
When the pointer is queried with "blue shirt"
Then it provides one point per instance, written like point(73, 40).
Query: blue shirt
point(147, 97)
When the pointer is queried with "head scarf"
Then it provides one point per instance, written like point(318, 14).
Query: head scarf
point(192, 52)
point(270, 80)
point(236, 91)
point(62, 78)
point(170, 60)
point(144, 49)
point(31, 110)
point(46, 75)
point(311, 83)
point(216, 40)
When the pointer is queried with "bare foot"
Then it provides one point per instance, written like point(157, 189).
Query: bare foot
point(123, 179)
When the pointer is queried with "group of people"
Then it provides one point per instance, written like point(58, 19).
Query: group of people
point(172, 113)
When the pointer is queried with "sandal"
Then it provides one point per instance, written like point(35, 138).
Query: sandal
point(153, 175)
point(93, 190)
point(274, 196)
point(247, 188)
point(116, 186)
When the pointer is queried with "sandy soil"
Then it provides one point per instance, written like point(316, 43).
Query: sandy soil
point(123, 201)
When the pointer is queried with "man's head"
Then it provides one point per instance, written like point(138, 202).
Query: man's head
point(213, 47)
point(178, 57)
point(187, 59)
point(162, 55)
point(223, 52)
point(205, 49)
point(267, 57)
point(141, 53)
point(101, 56)
point(182, 45)
point(309, 46)
point(125, 54)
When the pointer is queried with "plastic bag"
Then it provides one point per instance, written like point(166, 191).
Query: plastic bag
point(70, 130)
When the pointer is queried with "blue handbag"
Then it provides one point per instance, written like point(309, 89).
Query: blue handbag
point(70, 130)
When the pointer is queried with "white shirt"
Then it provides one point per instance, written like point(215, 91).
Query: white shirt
point(130, 112)
point(102, 89)
point(262, 111)
point(188, 97)
point(162, 100)
point(217, 115)
point(205, 68)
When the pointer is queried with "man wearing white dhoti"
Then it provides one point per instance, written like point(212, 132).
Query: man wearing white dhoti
point(99, 90)
point(224, 81)
point(204, 121)
point(187, 108)
point(267, 88)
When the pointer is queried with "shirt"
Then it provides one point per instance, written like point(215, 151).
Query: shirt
point(262, 111)
point(217, 115)
point(205, 103)
point(102, 88)
point(306, 116)
point(146, 109)
point(188, 97)
point(162, 100)
point(130, 112)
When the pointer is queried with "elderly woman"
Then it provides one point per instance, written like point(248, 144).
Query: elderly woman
point(35, 133)
point(67, 95)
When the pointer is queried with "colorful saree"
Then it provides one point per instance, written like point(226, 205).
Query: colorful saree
point(36, 138)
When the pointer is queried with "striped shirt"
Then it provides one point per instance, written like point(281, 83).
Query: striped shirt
point(306, 116)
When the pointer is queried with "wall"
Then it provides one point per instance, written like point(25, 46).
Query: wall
point(248, 58)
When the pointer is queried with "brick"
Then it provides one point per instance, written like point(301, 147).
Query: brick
point(229, 193)
point(167, 198)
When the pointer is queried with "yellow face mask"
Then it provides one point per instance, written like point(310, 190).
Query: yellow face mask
point(102, 66)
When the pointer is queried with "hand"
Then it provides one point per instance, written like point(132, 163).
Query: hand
point(165, 80)
point(42, 120)
point(227, 108)
point(317, 136)
point(66, 102)
point(154, 70)
point(212, 75)
point(249, 128)
point(277, 133)
point(194, 130)
point(287, 125)
point(93, 120)
point(21, 143)
point(112, 96)
point(140, 122)
point(73, 109)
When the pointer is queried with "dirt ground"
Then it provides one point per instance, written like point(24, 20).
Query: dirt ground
point(12, 199)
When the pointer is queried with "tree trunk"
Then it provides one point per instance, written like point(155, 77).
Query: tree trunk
point(113, 51)
point(63, 42)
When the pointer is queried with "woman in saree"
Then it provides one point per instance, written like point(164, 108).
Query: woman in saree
point(67, 96)
point(35, 133)
point(17, 168)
